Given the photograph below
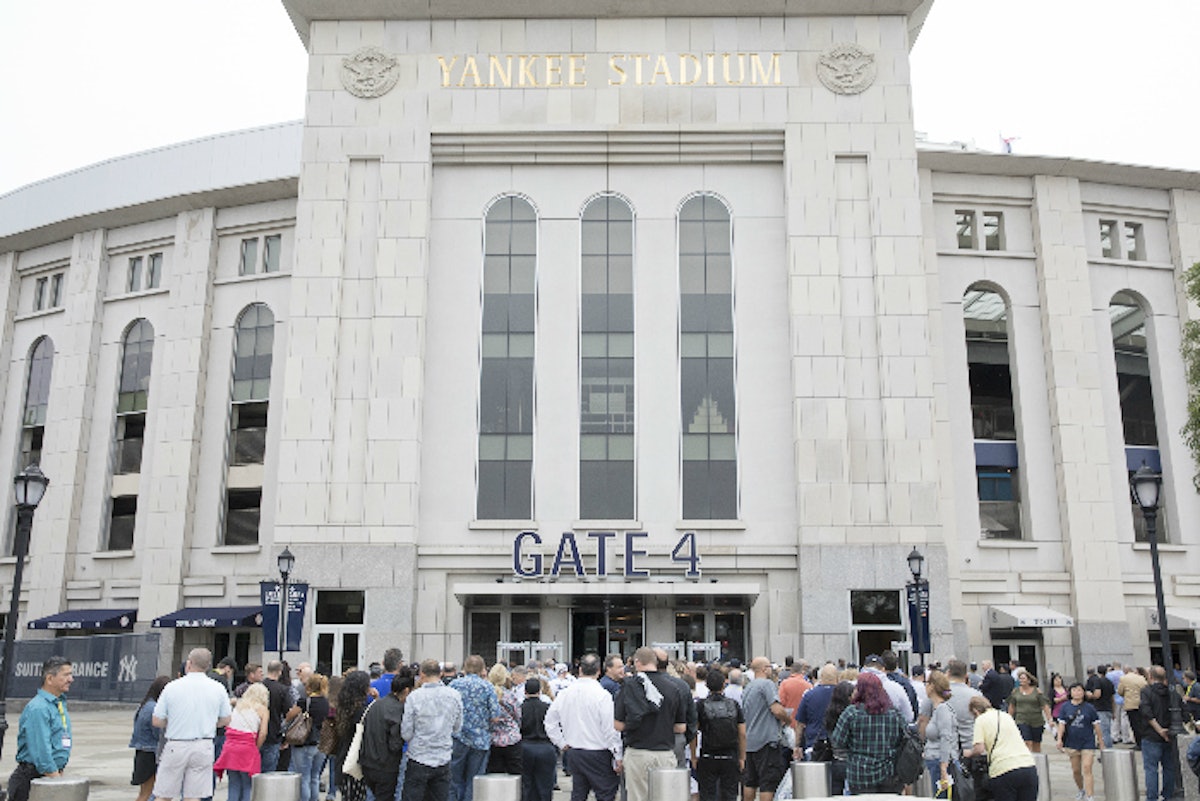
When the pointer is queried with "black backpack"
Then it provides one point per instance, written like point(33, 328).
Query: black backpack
point(719, 726)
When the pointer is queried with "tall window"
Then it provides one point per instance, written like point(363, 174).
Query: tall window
point(985, 318)
point(506, 371)
point(37, 399)
point(606, 483)
point(33, 419)
point(709, 413)
point(1127, 318)
point(133, 395)
point(253, 353)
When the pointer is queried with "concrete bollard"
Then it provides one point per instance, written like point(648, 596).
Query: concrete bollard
point(62, 788)
point(811, 780)
point(670, 784)
point(497, 787)
point(1120, 775)
point(1042, 763)
point(1191, 789)
point(924, 786)
point(277, 786)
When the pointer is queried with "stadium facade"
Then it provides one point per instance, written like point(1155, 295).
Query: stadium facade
point(554, 328)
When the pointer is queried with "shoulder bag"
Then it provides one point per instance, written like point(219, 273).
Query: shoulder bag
point(300, 728)
point(350, 766)
point(971, 776)
point(327, 743)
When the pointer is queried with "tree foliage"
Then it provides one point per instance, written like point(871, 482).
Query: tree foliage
point(1190, 349)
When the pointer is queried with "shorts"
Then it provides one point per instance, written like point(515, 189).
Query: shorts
point(144, 767)
point(185, 770)
point(1031, 734)
point(1078, 751)
point(765, 768)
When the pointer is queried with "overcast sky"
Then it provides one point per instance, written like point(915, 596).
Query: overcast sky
point(86, 80)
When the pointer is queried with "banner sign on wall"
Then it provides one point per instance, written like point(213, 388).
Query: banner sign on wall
point(297, 598)
point(918, 616)
point(107, 667)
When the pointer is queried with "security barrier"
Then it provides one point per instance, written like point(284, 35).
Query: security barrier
point(670, 784)
point(277, 786)
point(811, 780)
point(1120, 775)
point(62, 788)
point(497, 787)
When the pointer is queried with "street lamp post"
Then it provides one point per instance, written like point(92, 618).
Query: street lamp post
point(286, 562)
point(1146, 485)
point(29, 486)
point(918, 606)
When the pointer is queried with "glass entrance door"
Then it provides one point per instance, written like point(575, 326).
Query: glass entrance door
point(609, 626)
point(338, 629)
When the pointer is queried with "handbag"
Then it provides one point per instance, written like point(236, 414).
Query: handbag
point(299, 728)
point(327, 742)
point(350, 765)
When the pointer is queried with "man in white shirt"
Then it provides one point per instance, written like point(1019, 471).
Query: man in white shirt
point(581, 719)
point(895, 692)
point(191, 709)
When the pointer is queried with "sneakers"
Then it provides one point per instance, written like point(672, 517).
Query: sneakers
point(1080, 796)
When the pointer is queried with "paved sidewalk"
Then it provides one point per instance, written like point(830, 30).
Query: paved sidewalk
point(101, 752)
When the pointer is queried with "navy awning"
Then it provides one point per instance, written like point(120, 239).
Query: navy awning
point(211, 617)
point(88, 620)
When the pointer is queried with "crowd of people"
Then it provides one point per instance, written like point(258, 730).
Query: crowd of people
point(423, 731)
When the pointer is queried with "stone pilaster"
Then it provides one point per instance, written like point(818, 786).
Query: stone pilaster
point(177, 396)
point(1079, 435)
point(68, 427)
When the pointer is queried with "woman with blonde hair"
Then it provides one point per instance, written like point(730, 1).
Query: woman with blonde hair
point(505, 756)
point(244, 735)
point(1011, 772)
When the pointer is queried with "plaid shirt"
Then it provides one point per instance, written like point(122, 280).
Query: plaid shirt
point(872, 741)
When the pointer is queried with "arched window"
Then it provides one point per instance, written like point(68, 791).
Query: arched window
point(707, 387)
point(37, 399)
point(33, 417)
point(254, 344)
point(985, 318)
point(133, 396)
point(136, 357)
point(505, 489)
point(1127, 318)
point(606, 410)
point(253, 354)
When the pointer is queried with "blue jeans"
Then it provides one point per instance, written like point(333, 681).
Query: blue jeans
point(465, 764)
point(270, 757)
point(308, 762)
point(239, 785)
point(1154, 754)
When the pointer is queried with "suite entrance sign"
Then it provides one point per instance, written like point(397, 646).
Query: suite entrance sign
point(529, 561)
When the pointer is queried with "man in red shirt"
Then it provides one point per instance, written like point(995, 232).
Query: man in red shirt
point(793, 688)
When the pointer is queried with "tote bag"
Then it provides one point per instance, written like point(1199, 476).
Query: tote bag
point(350, 766)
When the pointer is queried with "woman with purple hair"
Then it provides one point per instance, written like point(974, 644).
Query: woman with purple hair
point(870, 730)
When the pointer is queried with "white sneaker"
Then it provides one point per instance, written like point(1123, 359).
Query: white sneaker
point(1080, 796)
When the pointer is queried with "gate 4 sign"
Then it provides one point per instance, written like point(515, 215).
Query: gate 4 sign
point(528, 561)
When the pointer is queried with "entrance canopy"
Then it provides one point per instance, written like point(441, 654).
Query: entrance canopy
point(1187, 619)
point(88, 620)
point(211, 617)
point(1038, 617)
